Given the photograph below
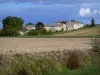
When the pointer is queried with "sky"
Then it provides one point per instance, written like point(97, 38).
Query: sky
point(49, 11)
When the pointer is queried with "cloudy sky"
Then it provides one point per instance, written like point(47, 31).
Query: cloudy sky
point(49, 11)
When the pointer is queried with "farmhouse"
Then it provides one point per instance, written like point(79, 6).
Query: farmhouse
point(50, 27)
point(64, 25)
point(69, 25)
point(29, 27)
point(59, 25)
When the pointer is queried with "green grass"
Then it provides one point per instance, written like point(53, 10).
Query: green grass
point(90, 32)
point(91, 70)
point(25, 65)
point(28, 64)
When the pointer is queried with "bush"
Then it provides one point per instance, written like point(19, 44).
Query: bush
point(77, 59)
point(96, 45)
point(9, 32)
point(50, 32)
point(86, 26)
point(32, 33)
point(25, 65)
point(43, 31)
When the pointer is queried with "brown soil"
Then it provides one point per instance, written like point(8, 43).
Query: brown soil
point(28, 45)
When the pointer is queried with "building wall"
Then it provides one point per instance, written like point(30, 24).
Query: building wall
point(64, 27)
point(76, 26)
point(50, 28)
point(29, 27)
point(47, 28)
point(69, 25)
point(58, 28)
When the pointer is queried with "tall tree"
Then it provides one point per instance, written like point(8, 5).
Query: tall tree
point(12, 26)
point(92, 22)
point(10, 22)
point(39, 26)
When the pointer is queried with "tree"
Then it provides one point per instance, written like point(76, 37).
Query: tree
point(12, 25)
point(29, 23)
point(92, 22)
point(39, 26)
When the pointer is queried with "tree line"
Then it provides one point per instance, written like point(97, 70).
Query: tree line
point(12, 25)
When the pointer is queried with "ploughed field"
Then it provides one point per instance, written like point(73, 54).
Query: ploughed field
point(28, 45)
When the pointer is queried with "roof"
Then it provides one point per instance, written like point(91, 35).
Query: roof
point(64, 22)
point(76, 22)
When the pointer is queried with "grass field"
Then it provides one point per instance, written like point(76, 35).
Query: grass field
point(91, 31)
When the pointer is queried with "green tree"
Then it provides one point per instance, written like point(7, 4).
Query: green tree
point(39, 26)
point(29, 23)
point(92, 22)
point(12, 25)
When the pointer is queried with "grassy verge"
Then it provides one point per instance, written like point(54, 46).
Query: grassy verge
point(89, 31)
point(50, 36)
point(91, 70)
point(50, 63)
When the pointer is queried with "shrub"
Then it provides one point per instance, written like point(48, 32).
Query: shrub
point(50, 32)
point(86, 26)
point(25, 65)
point(43, 31)
point(9, 32)
point(77, 59)
point(96, 45)
point(32, 33)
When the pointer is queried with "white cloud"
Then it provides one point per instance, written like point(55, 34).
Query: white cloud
point(84, 11)
point(95, 11)
point(88, 11)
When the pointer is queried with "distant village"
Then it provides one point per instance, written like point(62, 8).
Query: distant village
point(13, 26)
point(59, 25)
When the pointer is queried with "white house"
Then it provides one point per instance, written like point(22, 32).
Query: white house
point(30, 27)
point(50, 27)
point(60, 26)
point(21, 32)
point(68, 25)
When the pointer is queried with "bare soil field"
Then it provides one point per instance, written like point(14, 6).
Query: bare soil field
point(28, 45)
